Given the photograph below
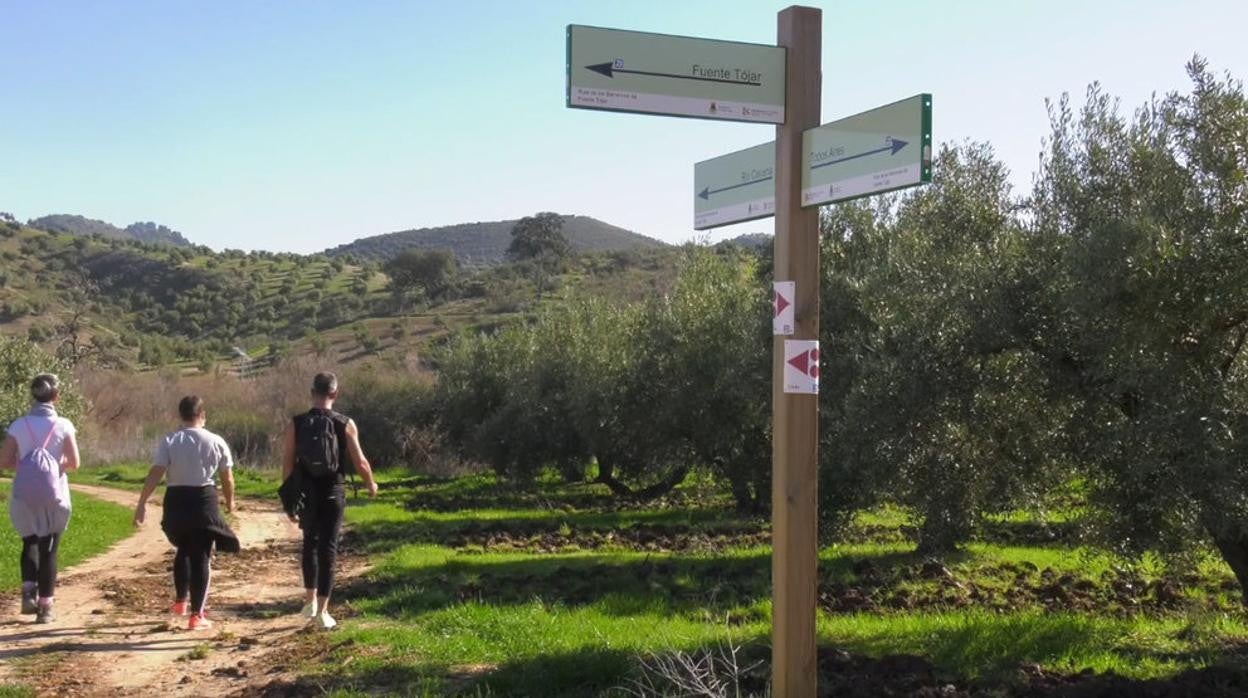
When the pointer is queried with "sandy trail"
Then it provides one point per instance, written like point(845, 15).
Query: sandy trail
point(113, 635)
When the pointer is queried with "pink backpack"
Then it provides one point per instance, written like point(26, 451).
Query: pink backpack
point(37, 482)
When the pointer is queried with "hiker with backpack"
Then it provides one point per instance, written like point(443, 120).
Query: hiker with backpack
point(42, 447)
point(189, 459)
point(321, 448)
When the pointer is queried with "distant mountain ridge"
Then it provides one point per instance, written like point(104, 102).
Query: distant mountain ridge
point(485, 243)
point(756, 241)
point(81, 225)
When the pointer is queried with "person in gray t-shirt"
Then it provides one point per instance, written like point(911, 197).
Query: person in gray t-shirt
point(189, 459)
point(192, 456)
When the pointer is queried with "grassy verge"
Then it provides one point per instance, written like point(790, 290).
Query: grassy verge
point(479, 588)
point(131, 476)
point(95, 526)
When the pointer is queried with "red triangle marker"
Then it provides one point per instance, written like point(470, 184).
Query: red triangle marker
point(801, 362)
point(807, 362)
point(781, 303)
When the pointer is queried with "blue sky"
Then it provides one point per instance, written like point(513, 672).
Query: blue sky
point(301, 125)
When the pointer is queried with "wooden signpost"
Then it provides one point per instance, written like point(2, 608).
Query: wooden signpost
point(875, 151)
point(795, 416)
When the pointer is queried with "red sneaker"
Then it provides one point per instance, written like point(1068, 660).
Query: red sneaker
point(198, 622)
point(179, 608)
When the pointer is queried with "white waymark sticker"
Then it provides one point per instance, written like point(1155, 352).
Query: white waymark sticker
point(782, 318)
point(801, 366)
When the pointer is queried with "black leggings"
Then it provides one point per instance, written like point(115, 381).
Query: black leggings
point(39, 562)
point(192, 569)
point(322, 524)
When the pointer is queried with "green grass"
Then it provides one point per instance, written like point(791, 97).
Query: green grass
point(481, 586)
point(94, 527)
point(248, 482)
point(197, 653)
point(977, 643)
point(534, 649)
point(10, 690)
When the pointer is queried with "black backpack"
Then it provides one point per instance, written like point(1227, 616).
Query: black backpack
point(317, 448)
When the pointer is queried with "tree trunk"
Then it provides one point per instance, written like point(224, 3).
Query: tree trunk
point(752, 498)
point(743, 496)
point(572, 471)
point(606, 476)
point(1234, 549)
point(937, 547)
point(662, 487)
point(940, 534)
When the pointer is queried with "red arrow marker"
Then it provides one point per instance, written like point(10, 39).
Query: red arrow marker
point(801, 362)
point(807, 362)
point(781, 304)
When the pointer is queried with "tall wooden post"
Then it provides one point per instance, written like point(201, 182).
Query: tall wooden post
point(795, 445)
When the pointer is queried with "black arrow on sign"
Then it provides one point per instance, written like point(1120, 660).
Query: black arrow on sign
point(707, 192)
point(609, 70)
point(894, 144)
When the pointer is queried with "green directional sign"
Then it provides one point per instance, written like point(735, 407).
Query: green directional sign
point(735, 187)
point(876, 151)
point(629, 71)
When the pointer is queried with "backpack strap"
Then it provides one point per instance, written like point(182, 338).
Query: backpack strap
point(46, 440)
point(296, 421)
point(344, 454)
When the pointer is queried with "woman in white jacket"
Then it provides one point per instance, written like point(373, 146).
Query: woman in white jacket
point(41, 525)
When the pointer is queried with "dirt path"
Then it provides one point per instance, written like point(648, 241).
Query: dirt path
point(113, 635)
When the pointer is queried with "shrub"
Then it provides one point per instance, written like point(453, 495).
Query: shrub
point(21, 361)
point(248, 433)
point(396, 418)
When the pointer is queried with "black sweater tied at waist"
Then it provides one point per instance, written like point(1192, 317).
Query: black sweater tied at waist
point(189, 510)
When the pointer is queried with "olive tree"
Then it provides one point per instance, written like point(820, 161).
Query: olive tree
point(647, 391)
point(1141, 239)
point(927, 398)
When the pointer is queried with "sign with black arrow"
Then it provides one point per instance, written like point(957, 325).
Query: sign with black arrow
point(886, 148)
point(735, 187)
point(617, 70)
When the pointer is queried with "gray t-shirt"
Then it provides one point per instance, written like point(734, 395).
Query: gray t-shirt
point(192, 457)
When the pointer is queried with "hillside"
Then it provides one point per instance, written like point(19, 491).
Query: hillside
point(153, 303)
point(485, 244)
point(122, 302)
point(147, 232)
point(753, 241)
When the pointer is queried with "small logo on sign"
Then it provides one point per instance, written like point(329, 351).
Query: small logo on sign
point(618, 64)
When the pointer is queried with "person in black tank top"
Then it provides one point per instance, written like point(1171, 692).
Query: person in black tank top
point(324, 494)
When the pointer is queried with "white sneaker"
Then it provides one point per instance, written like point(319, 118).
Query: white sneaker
point(325, 621)
point(309, 610)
